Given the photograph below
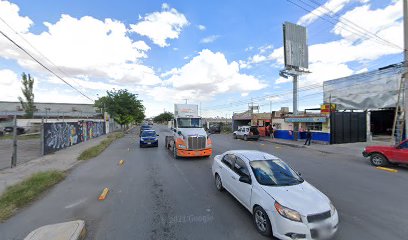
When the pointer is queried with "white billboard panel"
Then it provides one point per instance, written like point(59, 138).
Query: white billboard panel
point(295, 46)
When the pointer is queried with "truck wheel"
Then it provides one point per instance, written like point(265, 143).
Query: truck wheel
point(235, 136)
point(245, 138)
point(175, 153)
point(262, 223)
point(378, 160)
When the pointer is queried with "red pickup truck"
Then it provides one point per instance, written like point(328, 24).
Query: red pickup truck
point(383, 155)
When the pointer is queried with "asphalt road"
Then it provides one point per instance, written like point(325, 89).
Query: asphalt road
point(154, 196)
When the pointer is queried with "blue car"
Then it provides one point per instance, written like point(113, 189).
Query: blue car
point(143, 128)
point(149, 138)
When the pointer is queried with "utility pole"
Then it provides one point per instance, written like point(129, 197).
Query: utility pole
point(14, 156)
point(295, 106)
point(185, 100)
point(405, 11)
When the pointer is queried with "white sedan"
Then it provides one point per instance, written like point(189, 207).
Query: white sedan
point(281, 202)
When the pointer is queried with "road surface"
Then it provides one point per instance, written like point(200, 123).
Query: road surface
point(153, 196)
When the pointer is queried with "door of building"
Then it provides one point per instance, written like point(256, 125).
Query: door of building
point(348, 127)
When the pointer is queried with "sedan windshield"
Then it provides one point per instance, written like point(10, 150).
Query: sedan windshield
point(274, 173)
point(148, 134)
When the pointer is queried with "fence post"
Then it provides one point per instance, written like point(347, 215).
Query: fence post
point(14, 156)
point(42, 136)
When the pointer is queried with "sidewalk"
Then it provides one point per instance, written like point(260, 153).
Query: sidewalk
point(61, 160)
point(351, 149)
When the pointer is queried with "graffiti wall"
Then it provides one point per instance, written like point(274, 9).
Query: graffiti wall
point(62, 135)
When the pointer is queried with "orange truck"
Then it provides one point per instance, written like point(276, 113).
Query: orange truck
point(188, 137)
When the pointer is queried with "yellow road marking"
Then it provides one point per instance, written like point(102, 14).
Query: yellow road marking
point(277, 147)
point(121, 162)
point(387, 169)
point(262, 144)
point(103, 194)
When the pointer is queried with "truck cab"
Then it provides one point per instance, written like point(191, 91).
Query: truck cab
point(188, 138)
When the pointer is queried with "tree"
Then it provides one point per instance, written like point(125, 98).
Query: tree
point(164, 117)
point(28, 102)
point(123, 106)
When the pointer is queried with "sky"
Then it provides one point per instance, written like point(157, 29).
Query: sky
point(222, 55)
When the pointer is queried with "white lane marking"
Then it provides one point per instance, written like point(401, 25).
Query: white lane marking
point(76, 203)
point(184, 176)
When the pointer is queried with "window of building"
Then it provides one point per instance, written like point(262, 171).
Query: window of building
point(314, 126)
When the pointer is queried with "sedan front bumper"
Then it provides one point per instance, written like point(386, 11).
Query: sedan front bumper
point(365, 154)
point(286, 229)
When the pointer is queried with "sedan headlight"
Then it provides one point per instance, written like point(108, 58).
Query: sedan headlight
point(288, 213)
point(182, 146)
point(332, 209)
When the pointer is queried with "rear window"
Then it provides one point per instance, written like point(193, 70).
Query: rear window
point(254, 130)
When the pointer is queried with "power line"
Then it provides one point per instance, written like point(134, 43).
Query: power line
point(38, 51)
point(359, 32)
point(42, 65)
point(304, 89)
point(340, 18)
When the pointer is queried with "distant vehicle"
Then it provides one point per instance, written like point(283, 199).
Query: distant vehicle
point(384, 155)
point(150, 122)
point(143, 128)
point(214, 127)
point(281, 202)
point(149, 138)
point(20, 130)
point(247, 133)
point(188, 137)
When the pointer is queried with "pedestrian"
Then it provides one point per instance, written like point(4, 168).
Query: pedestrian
point(272, 131)
point(308, 137)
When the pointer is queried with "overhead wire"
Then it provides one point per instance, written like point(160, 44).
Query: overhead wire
point(42, 65)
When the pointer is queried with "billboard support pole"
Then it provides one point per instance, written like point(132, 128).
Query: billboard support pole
point(405, 101)
point(295, 106)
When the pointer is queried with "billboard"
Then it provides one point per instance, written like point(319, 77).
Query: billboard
point(371, 90)
point(295, 46)
point(186, 110)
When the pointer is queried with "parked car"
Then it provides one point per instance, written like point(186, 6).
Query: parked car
point(9, 130)
point(384, 155)
point(143, 128)
point(149, 138)
point(247, 133)
point(281, 202)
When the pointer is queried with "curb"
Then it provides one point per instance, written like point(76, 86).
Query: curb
point(74, 230)
point(283, 143)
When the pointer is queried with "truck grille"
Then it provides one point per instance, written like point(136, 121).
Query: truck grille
point(196, 142)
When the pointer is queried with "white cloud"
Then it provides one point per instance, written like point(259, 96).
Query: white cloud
point(10, 85)
point(201, 27)
point(373, 21)
point(330, 7)
point(160, 26)
point(10, 11)
point(205, 76)
point(209, 39)
point(80, 47)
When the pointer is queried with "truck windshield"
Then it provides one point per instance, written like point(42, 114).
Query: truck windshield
point(189, 122)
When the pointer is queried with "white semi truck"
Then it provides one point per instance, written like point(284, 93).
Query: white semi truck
point(188, 138)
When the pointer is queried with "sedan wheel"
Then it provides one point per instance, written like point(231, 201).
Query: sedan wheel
point(218, 182)
point(378, 160)
point(262, 223)
point(235, 136)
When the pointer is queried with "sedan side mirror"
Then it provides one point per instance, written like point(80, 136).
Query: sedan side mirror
point(157, 135)
point(245, 179)
point(299, 173)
